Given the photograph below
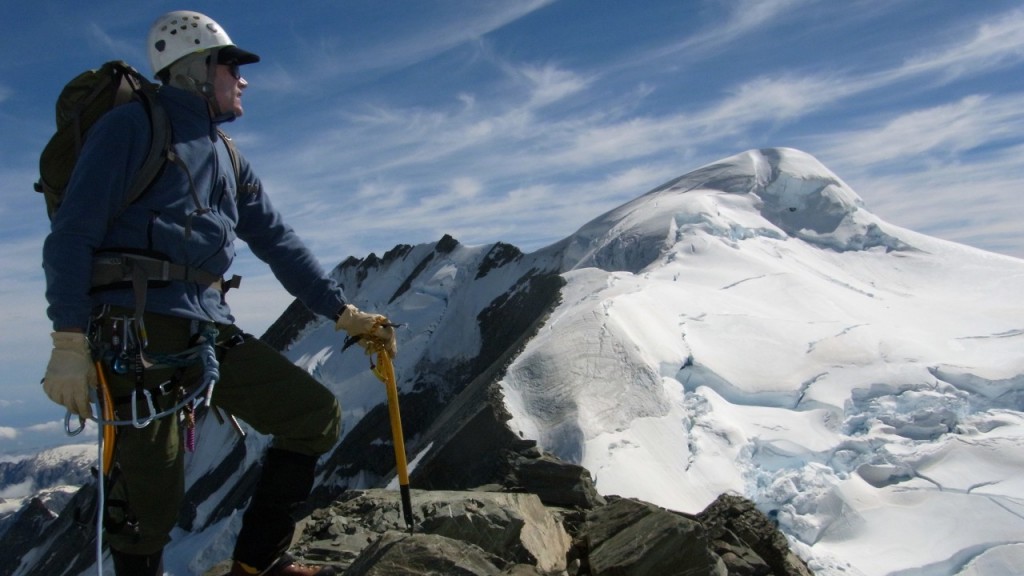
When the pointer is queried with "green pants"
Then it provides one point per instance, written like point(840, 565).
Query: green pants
point(257, 385)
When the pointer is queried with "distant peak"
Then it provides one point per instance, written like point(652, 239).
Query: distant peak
point(786, 180)
point(785, 193)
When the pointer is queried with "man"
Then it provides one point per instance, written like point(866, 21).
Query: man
point(111, 296)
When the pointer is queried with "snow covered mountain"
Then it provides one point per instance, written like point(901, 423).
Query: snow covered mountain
point(749, 327)
point(49, 476)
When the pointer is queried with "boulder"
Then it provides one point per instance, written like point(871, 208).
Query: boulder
point(402, 554)
point(556, 482)
point(507, 528)
point(747, 540)
point(629, 537)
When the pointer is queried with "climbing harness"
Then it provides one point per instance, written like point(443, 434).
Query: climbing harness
point(384, 370)
point(126, 351)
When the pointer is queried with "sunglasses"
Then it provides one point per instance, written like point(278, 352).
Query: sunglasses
point(234, 69)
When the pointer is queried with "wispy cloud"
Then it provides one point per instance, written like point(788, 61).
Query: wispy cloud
point(767, 100)
point(995, 43)
point(397, 44)
point(21, 290)
point(985, 194)
point(940, 132)
point(744, 17)
point(548, 84)
point(110, 44)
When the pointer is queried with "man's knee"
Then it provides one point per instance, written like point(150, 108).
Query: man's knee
point(331, 430)
point(319, 430)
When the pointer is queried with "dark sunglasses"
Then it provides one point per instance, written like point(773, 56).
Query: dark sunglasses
point(235, 70)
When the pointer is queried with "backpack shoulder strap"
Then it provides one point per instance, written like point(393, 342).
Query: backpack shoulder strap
point(159, 147)
point(233, 154)
point(236, 166)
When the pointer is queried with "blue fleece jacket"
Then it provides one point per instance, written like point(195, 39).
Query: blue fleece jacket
point(166, 221)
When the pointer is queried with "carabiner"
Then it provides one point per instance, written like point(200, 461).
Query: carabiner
point(149, 403)
point(67, 424)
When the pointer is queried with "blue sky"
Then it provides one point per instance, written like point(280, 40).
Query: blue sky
point(374, 123)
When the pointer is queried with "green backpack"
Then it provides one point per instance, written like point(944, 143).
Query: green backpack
point(81, 103)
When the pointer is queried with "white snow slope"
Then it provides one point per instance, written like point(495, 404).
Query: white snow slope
point(753, 329)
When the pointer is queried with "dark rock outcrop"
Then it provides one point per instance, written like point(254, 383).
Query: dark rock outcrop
point(19, 529)
point(476, 533)
point(628, 536)
point(364, 533)
point(748, 540)
point(68, 538)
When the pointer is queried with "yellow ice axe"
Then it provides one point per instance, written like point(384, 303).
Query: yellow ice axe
point(385, 370)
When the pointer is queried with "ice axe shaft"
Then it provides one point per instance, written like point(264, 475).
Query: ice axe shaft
point(386, 371)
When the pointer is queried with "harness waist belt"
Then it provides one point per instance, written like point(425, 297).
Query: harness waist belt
point(139, 270)
point(112, 268)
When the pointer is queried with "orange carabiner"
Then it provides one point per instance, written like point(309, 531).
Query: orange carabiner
point(107, 410)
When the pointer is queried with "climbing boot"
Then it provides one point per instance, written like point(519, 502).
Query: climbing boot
point(285, 566)
point(269, 522)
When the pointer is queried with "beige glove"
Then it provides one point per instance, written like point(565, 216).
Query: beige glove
point(364, 327)
point(70, 373)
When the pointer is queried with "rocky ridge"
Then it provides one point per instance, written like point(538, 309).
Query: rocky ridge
point(563, 527)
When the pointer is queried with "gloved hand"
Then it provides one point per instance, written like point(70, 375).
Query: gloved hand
point(70, 373)
point(363, 327)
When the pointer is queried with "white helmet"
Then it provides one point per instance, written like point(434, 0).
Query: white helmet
point(183, 32)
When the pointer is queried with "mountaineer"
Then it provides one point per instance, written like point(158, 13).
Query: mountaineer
point(132, 285)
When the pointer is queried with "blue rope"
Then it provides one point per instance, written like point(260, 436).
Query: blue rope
point(205, 352)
